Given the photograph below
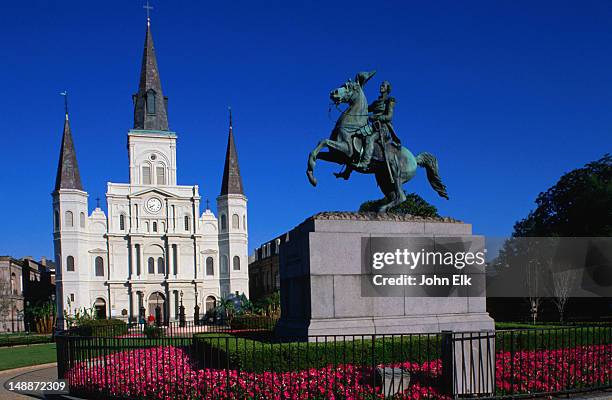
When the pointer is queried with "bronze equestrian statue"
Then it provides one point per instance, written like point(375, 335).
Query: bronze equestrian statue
point(367, 143)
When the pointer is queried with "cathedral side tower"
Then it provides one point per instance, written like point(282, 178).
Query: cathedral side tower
point(70, 230)
point(233, 234)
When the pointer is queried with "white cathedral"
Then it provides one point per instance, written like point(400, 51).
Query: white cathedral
point(154, 249)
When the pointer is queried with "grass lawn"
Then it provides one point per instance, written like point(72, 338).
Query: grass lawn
point(22, 356)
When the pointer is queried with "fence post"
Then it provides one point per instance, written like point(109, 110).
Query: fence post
point(448, 368)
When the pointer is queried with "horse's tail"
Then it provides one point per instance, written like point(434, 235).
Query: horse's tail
point(429, 162)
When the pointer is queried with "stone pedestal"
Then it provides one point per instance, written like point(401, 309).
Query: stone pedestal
point(320, 272)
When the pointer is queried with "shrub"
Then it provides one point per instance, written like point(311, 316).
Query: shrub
point(225, 351)
point(19, 339)
point(251, 321)
point(153, 332)
point(101, 327)
point(413, 205)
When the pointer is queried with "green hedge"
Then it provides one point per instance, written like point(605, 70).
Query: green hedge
point(249, 354)
point(222, 351)
point(101, 328)
point(253, 322)
point(552, 338)
point(20, 339)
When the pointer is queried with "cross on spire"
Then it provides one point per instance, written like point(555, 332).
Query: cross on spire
point(148, 8)
point(65, 94)
point(230, 116)
point(207, 204)
point(97, 202)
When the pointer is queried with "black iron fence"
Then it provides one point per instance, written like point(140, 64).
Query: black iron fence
point(257, 365)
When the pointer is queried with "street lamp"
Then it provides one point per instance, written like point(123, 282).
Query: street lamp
point(196, 309)
point(181, 312)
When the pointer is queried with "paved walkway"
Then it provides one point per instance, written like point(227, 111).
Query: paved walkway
point(36, 373)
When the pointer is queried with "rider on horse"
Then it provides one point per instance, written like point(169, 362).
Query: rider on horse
point(381, 118)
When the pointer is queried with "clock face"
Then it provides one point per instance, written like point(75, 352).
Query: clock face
point(154, 205)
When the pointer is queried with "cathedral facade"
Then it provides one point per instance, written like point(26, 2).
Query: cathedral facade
point(154, 249)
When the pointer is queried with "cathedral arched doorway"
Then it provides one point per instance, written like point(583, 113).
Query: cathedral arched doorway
point(157, 307)
point(100, 308)
point(211, 303)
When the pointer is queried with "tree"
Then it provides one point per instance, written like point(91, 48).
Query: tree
point(578, 204)
point(562, 283)
point(413, 205)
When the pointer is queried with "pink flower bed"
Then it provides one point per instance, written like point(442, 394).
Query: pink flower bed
point(168, 373)
point(553, 370)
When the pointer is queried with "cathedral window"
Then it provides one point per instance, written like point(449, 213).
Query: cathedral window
point(151, 267)
point(210, 266)
point(14, 284)
point(223, 222)
point(244, 222)
point(82, 220)
point(99, 266)
point(122, 222)
point(236, 263)
point(176, 304)
point(137, 259)
point(187, 222)
point(70, 263)
point(146, 175)
point(175, 258)
point(69, 219)
point(154, 226)
point(160, 266)
point(151, 102)
point(235, 221)
point(161, 175)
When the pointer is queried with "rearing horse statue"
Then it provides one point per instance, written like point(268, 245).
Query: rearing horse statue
point(392, 166)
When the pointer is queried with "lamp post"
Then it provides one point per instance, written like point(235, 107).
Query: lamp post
point(181, 312)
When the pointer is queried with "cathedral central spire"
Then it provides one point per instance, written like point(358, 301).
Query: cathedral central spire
point(150, 105)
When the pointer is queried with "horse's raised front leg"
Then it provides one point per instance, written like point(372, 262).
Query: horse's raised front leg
point(312, 162)
point(312, 157)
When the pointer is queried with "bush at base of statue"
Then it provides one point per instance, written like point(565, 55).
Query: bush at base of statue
point(413, 205)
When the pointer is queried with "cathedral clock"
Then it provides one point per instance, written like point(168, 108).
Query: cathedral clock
point(154, 205)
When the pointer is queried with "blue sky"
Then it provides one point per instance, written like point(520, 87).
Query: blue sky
point(507, 95)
